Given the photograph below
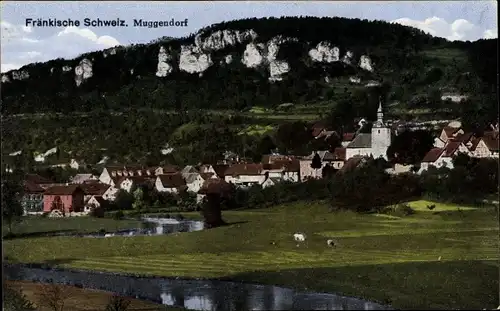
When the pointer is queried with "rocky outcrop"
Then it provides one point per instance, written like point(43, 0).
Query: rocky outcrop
point(66, 68)
point(223, 38)
point(366, 63)
point(164, 67)
point(193, 60)
point(83, 71)
point(5, 78)
point(252, 57)
point(20, 75)
point(324, 52)
point(108, 52)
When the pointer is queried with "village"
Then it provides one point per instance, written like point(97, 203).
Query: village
point(84, 192)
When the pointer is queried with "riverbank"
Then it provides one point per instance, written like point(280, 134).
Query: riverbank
point(80, 299)
point(440, 259)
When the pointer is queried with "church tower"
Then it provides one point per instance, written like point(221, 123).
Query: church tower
point(381, 135)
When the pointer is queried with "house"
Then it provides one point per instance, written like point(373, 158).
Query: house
point(32, 200)
point(339, 157)
point(285, 169)
point(76, 164)
point(450, 132)
point(173, 183)
point(272, 158)
point(347, 138)
point(270, 181)
point(94, 202)
point(194, 181)
point(66, 199)
point(81, 178)
point(166, 169)
point(307, 172)
point(443, 157)
point(485, 147)
point(220, 170)
point(374, 144)
point(245, 174)
point(98, 189)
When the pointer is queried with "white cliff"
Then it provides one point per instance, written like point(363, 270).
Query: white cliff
point(83, 71)
point(347, 59)
point(5, 78)
point(366, 63)
point(108, 52)
point(325, 52)
point(163, 68)
point(223, 38)
point(228, 59)
point(66, 68)
point(20, 75)
point(193, 60)
point(252, 57)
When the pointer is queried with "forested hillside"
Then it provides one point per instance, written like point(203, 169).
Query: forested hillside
point(241, 81)
point(245, 63)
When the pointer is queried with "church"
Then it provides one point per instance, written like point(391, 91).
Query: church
point(373, 144)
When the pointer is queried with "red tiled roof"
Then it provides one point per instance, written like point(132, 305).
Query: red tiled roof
point(339, 154)
point(433, 155)
point(63, 190)
point(450, 148)
point(37, 179)
point(30, 187)
point(169, 169)
point(220, 169)
point(464, 138)
point(172, 180)
point(348, 136)
point(244, 169)
point(94, 188)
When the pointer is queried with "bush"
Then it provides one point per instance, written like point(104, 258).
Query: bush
point(118, 215)
point(45, 214)
point(96, 212)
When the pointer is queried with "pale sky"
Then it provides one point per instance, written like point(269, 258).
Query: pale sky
point(21, 45)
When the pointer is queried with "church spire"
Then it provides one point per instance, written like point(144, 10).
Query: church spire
point(380, 114)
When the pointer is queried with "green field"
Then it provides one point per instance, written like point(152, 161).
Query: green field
point(440, 259)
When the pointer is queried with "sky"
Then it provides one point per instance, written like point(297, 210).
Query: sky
point(22, 44)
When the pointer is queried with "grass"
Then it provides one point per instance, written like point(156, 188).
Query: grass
point(85, 299)
point(256, 129)
point(33, 226)
point(381, 258)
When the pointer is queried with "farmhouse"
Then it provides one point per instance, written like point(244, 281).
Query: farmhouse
point(245, 174)
point(173, 183)
point(32, 200)
point(307, 172)
point(66, 199)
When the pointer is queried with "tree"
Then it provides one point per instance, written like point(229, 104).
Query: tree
point(53, 296)
point(12, 209)
point(316, 162)
point(265, 146)
point(409, 147)
point(328, 171)
point(215, 192)
point(15, 300)
point(118, 303)
point(123, 200)
point(138, 199)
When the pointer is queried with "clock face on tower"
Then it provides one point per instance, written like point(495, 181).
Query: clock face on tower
point(78, 70)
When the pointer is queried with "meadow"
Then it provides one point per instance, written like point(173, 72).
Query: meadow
point(446, 258)
point(80, 299)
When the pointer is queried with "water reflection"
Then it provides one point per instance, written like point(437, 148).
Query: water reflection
point(193, 294)
point(154, 226)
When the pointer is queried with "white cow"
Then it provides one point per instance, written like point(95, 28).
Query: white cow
point(107, 235)
point(299, 237)
point(330, 242)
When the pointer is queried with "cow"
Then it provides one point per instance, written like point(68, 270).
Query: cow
point(299, 237)
point(331, 243)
